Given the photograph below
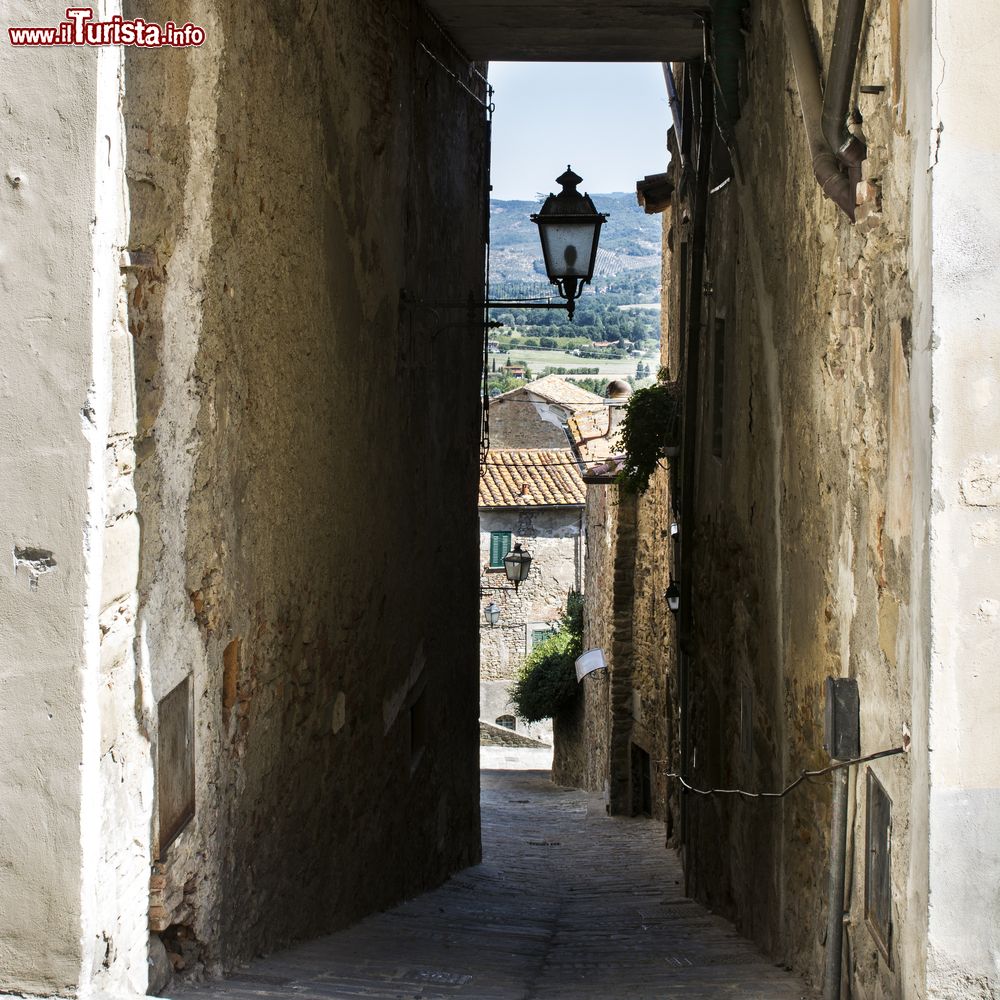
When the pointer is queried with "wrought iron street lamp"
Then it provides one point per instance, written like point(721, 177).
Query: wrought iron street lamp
point(492, 614)
point(569, 226)
point(516, 565)
point(673, 596)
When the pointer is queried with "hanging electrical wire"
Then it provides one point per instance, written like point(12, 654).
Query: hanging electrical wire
point(803, 776)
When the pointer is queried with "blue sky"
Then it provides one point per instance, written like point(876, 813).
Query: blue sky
point(609, 120)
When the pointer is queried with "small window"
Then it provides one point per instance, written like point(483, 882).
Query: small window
point(508, 722)
point(538, 632)
point(878, 869)
point(499, 547)
point(719, 388)
point(418, 729)
point(642, 782)
point(175, 780)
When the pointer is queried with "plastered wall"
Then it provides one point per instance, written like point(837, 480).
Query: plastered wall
point(960, 152)
point(74, 763)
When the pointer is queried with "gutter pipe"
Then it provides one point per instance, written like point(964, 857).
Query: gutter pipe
point(849, 149)
point(675, 105)
point(692, 356)
point(835, 898)
point(829, 170)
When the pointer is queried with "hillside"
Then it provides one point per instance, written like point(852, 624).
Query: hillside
point(617, 319)
point(630, 243)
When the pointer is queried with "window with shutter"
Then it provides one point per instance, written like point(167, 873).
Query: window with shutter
point(499, 547)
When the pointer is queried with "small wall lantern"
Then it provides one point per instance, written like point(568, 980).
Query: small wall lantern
point(673, 596)
point(569, 226)
point(491, 613)
point(516, 565)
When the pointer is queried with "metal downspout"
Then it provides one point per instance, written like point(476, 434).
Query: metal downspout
point(675, 106)
point(829, 172)
point(848, 147)
point(835, 898)
point(690, 425)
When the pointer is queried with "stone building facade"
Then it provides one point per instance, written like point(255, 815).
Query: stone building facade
point(835, 496)
point(614, 738)
point(535, 498)
point(535, 415)
point(227, 716)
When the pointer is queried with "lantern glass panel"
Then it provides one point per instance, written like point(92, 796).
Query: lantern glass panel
point(569, 248)
point(517, 564)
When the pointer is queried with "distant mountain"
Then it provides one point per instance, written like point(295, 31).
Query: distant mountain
point(630, 242)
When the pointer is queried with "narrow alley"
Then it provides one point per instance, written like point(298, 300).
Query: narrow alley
point(568, 903)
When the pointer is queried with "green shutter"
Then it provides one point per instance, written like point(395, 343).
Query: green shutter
point(499, 547)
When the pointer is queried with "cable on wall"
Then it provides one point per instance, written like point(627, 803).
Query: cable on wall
point(839, 765)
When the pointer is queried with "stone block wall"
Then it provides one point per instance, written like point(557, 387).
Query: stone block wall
point(554, 537)
point(517, 421)
point(804, 558)
point(625, 708)
point(307, 459)
point(74, 760)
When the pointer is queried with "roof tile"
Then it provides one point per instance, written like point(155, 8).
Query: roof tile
point(531, 477)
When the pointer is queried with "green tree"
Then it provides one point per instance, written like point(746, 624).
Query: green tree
point(547, 681)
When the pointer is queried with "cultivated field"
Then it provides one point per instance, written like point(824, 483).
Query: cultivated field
point(537, 361)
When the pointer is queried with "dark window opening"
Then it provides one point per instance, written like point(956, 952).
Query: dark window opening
point(642, 782)
point(508, 722)
point(418, 729)
point(683, 311)
point(746, 724)
point(719, 385)
point(878, 870)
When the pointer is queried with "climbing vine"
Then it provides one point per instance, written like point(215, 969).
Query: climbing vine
point(650, 431)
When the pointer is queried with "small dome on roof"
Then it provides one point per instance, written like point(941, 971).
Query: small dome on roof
point(618, 389)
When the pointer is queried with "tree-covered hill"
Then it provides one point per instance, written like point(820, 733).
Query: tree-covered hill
point(608, 323)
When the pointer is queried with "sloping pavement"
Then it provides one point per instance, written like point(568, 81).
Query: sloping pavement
point(567, 903)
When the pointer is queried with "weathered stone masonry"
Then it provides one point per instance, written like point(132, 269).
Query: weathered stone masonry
point(841, 407)
point(299, 444)
point(289, 184)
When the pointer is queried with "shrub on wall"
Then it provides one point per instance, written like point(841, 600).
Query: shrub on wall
point(650, 431)
point(547, 680)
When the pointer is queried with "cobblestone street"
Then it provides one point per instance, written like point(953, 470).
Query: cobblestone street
point(566, 904)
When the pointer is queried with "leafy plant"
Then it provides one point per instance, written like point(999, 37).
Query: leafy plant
point(650, 430)
point(547, 679)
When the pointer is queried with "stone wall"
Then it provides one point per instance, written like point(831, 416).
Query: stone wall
point(625, 707)
point(306, 456)
point(553, 536)
point(803, 547)
point(956, 343)
point(518, 421)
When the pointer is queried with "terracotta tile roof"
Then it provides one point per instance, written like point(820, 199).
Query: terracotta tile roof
point(531, 477)
point(556, 389)
point(604, 472)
